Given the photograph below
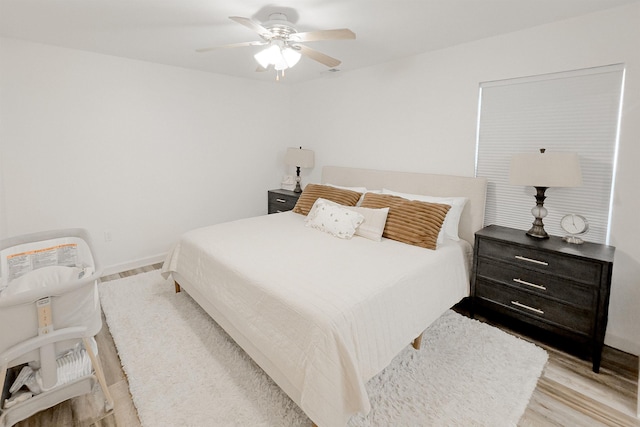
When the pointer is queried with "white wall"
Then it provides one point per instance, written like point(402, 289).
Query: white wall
point(141, 150)
point(420, 114)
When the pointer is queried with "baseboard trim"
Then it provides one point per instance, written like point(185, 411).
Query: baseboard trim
point(622, 344)
point(132, 265)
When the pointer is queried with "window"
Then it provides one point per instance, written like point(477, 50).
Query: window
point(575, 111)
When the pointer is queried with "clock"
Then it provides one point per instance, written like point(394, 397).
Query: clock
point(574, 225)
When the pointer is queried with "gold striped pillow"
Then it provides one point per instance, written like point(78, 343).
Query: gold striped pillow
point(409, 221)
point(312, 192)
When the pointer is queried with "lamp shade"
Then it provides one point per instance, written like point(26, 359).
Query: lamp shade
point(299, 157)
point(546, 170)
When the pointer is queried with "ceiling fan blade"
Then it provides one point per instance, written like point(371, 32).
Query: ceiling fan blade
point(312, 36)
point(227, 46)
point(318, 56)
point(252, 26)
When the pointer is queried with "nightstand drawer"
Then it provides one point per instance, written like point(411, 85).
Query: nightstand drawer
point(545, 285)
point(563, 315)
point(541, 261)
point(281, 200)
point(282, 204)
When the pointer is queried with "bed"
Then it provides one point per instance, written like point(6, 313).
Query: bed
point(319, 314)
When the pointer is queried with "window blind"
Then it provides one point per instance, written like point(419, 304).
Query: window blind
point(575, 111)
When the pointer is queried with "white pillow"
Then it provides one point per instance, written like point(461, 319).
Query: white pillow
point(374, 221)
point(333, 219)
point(45, 277)
point(452, 220)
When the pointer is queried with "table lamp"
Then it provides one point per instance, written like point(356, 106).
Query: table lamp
point(300, 158)
point(543, 170)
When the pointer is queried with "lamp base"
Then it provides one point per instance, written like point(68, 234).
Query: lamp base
point(298, 189)
point(539, 212)
point(537, 232)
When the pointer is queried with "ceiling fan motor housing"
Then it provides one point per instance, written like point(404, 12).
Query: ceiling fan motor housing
point(279, 27)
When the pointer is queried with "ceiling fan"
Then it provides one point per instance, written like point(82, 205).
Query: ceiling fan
point(284, 43)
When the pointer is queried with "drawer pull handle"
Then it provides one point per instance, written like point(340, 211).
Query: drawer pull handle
point(522, 258)
point(533, 285)
point(281, 201)
point(535, 310)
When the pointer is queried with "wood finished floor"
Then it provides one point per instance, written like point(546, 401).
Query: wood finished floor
point(568, 392)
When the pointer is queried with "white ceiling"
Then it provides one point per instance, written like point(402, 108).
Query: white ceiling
point(169, 31)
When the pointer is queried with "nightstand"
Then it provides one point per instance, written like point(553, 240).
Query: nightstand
point(558, 288)
point(281, 200)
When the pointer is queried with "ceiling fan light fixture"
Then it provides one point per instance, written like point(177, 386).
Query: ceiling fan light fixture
point(268, 56)
point(291, 56)
point(278, 55)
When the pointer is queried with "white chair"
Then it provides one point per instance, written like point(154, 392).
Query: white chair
point(49, 310)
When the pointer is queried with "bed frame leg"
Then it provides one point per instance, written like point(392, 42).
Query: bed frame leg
point(177, 286)
point(417, 342)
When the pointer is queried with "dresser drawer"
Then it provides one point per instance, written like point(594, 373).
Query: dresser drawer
point(544, 262)
point(545, 285)
point(563, 315)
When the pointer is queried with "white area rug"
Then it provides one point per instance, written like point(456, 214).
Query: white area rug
point(184, 370)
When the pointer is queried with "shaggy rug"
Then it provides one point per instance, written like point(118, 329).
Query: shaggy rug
point(184, 370)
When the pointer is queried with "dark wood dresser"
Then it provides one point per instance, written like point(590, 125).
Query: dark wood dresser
point(560, 289)
point(281, 200)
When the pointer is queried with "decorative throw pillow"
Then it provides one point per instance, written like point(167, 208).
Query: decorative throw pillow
point(409, 221)
point(371, 227)
point(356, 189)
point(334, 219)
point(360, 190)
point(451, 222)
point(374, 221)
point(312, 192)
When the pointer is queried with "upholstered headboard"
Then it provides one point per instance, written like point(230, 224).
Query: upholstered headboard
point(474, 189)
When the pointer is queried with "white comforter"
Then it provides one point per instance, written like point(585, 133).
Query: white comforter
point(323, 315)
